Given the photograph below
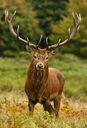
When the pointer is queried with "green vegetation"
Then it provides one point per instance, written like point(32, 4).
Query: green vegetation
point(29, 24)
point(78, 44)
point(49, 18)
point(49, 12)
point(13, 73)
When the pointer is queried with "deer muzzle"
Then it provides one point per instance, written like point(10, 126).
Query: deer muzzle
point(39, 66)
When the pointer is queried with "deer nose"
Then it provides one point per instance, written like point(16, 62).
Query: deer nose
point(39, 65)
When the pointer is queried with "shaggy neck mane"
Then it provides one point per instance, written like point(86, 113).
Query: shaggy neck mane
point(38, 78)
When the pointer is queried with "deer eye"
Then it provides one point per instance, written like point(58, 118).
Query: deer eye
point(35, 57)
point(46, 58)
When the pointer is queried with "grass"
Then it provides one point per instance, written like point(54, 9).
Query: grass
point(14, 114)
point(13, 74)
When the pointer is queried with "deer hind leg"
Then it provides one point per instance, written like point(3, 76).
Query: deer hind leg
point(48, 107)
point(57, 101)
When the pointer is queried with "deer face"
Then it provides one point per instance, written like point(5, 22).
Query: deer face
point(40, 59)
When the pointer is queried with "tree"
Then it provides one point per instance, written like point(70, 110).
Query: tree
point(49, 12)
point(25, 17)
point(60, 29)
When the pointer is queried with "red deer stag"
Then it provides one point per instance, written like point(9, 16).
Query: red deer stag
point(43, 84)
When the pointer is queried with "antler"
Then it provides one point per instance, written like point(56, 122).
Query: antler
point(40, 40)
point(76, 21)
point(16, 34)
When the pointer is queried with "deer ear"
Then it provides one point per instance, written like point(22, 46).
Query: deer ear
point(30, 49)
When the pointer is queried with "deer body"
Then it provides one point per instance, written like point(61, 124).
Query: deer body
point(43, 84)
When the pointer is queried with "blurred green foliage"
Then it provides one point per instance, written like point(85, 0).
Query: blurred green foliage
point(78, 44)
point(50, 18)
point(25, 17)
point(49, 12)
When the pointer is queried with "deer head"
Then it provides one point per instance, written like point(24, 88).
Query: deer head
point(42, 54)
point(40, 58)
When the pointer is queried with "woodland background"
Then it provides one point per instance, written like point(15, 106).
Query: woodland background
point(51, 18)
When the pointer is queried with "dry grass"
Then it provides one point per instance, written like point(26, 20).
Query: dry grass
point(14, 114)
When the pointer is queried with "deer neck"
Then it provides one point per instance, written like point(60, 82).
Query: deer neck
point(37, 76)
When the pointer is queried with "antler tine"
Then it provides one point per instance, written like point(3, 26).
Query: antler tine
point(6, 15)
point(74, 18)
point(76, 22)
point(18, 31)
point(69, 32)
point(79, 20)
point(27, 39)
point(40, 39)
point(12, 17)
point(47, 42)
point(9, 21)
point(31, 45)
point(53, 47)
point(59, 41)
point(16, 34)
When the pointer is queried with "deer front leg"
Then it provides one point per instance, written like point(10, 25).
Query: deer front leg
point(30, 105)
point(48, 107)
point(57, 101)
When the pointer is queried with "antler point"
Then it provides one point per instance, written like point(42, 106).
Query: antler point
point(59, 41)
